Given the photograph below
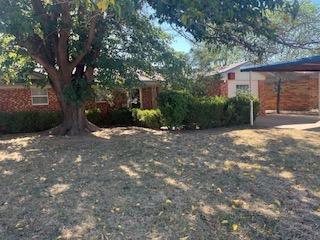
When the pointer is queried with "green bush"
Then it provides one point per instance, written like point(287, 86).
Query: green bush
point(94, 115)
point(22, 122)
point(174, 107)
point(240, 106)
point(205, 112)
point(180, 109)
point(147, 118)
point(121, 116)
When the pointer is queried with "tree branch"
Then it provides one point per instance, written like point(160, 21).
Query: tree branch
point(88, 44)
point(64, 33)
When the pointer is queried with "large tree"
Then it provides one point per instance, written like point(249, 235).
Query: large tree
point(84, 42)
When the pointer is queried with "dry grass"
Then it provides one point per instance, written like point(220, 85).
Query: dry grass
point(135, 183)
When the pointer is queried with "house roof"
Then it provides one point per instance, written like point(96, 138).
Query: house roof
point(143, 77)
point(227, 68)
point(311, 64)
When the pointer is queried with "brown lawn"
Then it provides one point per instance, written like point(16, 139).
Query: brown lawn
point(133, 183)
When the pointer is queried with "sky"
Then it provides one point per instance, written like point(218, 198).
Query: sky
point(181, 44)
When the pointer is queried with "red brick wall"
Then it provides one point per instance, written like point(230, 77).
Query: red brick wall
point(296, 95)
point(262, 97)
point(19, 99)
point(147, 98)
point(217, 88)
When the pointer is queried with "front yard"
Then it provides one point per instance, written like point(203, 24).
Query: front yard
point(134, 183)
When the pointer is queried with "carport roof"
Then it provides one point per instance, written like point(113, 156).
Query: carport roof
point(311, 64)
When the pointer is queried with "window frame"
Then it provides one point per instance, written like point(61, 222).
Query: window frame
point(39, 96)
point(247, 91)
point(231, 76)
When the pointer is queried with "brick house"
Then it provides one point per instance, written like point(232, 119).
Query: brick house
point(232, 81)
point(19, 97)
point(298, 92)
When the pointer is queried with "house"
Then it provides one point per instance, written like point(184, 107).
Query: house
point(19, 97)
point(232, 81)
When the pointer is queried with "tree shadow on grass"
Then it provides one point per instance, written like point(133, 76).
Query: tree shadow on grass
point(135, 183)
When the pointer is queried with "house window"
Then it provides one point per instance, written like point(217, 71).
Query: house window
point(39, 96)
point(231, 76)
point(243, 88)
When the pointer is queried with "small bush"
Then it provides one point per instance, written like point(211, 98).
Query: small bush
point(23, 122)
point(174, 107)
point(94, 115)
point(121, 116)
point(147, 118)
point(240, 106)
point(205, 112)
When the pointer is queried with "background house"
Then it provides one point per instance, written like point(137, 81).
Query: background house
point(19, 97)
point(233, 81)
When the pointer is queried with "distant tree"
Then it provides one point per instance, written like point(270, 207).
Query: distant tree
point(80, 43)
point(204, 57)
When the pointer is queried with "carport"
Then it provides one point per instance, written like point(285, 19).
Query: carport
point(307, 64)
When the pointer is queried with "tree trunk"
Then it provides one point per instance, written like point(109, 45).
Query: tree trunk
point(74, 120)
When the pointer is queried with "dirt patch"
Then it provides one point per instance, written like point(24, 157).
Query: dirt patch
point(134, 183)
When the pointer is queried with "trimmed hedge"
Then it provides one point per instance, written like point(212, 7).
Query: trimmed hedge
point(94, 115)
point(174, 107)
point(23, 122)
point(121, 116)
point(147, 118)
point(180, 109)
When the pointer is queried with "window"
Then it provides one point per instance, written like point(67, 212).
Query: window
point(231, 76)
point(39, 96)
point(244, 88)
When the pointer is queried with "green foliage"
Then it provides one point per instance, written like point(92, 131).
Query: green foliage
point(20, 122)
point(205, 57)
point(239, 106)
point(180, 109)
point(205, 112)
point(230, 22)
point(94, 115)
point(147, 118)
point(121, 116)
point(78, 92)
point(174, 107)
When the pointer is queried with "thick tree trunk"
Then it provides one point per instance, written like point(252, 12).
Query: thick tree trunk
point(74, 121)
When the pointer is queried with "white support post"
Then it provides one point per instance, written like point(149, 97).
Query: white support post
point(319, 93)
point(251, 101)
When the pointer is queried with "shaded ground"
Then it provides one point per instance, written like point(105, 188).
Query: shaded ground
point(142, 184)
point(289, 121)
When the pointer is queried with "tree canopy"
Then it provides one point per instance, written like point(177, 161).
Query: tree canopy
point(80, 43)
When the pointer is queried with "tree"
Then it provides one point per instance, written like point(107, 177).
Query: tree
point(84, 42)
point(205, 58)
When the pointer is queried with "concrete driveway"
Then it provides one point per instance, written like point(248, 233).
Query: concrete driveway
point(302, 122)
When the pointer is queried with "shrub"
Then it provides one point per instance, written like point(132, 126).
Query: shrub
point(22, 122)
point(121, 116)
point(147, 118)
point(174, 107)
point(180, 109)
point(240, 106)
point(94, 115)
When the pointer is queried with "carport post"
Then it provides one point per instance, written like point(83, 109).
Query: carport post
point(251, 101)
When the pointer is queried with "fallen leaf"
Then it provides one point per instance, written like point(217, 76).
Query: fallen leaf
point(225, 222)
point(235, 227)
